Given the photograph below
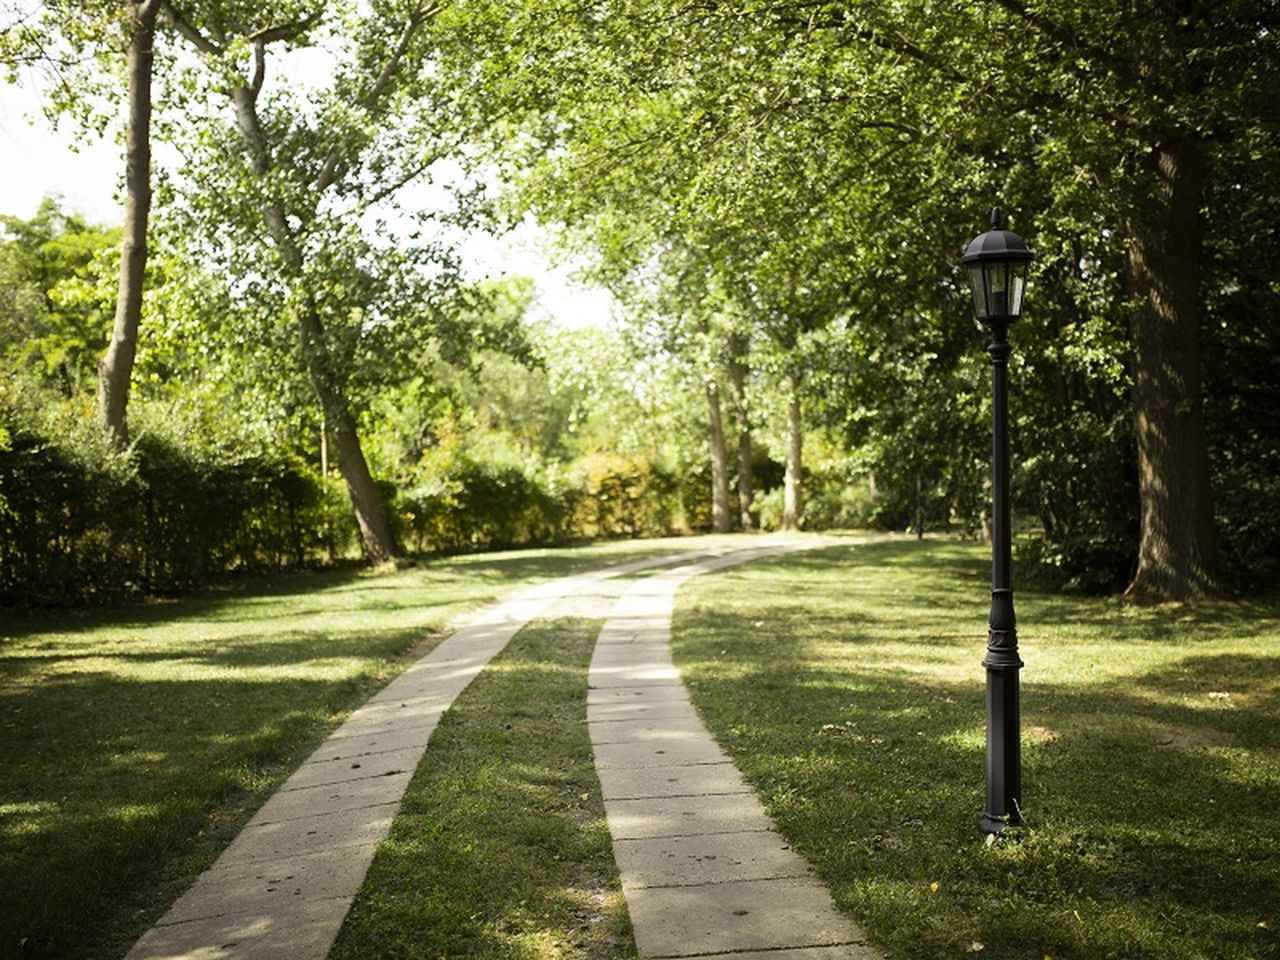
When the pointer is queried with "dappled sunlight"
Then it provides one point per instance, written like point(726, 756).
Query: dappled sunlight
point(1149, 757)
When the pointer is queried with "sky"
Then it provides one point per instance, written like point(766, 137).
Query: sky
point(36, 161)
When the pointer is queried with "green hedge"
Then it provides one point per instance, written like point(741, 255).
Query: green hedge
point(78, 523)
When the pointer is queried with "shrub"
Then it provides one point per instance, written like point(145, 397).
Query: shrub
point(81, 523)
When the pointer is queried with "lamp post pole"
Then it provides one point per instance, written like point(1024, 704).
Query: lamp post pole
point(1004, 751)
point(997, 264)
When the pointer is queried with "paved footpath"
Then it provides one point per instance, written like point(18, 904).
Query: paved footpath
point(703, 871)
point(285, 884)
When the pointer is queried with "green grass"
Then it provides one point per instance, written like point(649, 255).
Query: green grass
point(135, 742)
point(501, 849)
point(847, 684)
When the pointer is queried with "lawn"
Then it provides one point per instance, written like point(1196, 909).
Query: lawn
point(501, 849)
point(135, 742)
point(847, 684)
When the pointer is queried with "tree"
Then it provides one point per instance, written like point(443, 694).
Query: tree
point(66, 39)
point(55, 307)
point(303, 178)
point(711, 121)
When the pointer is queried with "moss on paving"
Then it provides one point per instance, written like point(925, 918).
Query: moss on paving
point(501, 849)
point(847, 685)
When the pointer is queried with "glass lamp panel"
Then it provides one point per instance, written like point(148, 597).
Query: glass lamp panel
point(978, 284)
point(1018, 282)
point(997, 279)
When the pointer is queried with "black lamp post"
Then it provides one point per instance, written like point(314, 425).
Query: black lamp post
point(997, 264)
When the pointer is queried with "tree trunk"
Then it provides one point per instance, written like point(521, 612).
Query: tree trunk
point(115, 369)
point(720, 521)
point(371, 516)
point(1177, 554)
point(738, 377)
point(792, 498)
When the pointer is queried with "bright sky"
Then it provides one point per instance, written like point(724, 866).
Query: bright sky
point(36, 161)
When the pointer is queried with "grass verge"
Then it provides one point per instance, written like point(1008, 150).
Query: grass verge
point(501, 849)
point(135, 742)
point(847, 685)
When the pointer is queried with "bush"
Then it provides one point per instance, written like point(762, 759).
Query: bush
point(81, 523)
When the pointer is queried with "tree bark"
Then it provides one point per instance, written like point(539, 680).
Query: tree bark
point(376, 533)
point(792, 497)
point(371, 516)
point(720, 521)
point(738, 378)
point(115, 369)
point(1177, 554)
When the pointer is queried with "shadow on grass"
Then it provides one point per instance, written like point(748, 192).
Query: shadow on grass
point(1150, 795)
point(483, 572)
point(149, 782)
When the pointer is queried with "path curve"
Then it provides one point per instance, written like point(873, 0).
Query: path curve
point(284, 885)
point(703, 872)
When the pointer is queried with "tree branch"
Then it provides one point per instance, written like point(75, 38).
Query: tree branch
point(371, 98)
point(188, 30)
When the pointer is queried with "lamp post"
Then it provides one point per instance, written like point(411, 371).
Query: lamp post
point(997, 265)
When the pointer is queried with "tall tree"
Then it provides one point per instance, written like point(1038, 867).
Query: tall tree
point(309, 185)
point(738, 372)
point(728, 114)
point(80, 46)
point(115, 371)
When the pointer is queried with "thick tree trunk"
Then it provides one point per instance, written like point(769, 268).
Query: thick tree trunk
point(1177, 554)
point(792, 497)
point(720, 521)
point(738, 377)
point(115, 369)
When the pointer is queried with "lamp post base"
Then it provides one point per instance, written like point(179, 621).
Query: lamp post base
point(995, 826)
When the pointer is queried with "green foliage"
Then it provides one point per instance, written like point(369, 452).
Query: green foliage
point(57, 295)
point(82, 523)
point(818, 165)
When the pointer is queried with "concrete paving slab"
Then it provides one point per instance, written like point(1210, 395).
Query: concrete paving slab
point(642, 753)
point(400, 712)
point(636, 783)
point(604, 676)
point(332, 798)
point(858, 950)
point(275, 886)
point(685, 816)
point(604, 713)
point(653, 693)
point(686, 728)
point(316, 773)
point(629, 652)
point(445, 682)
point(307, 931)
point(708, 858)
point(360, 729)
point(619, 657)
point(280, 839)
point(634, 634)
point(378, 740)
point(724, 917)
